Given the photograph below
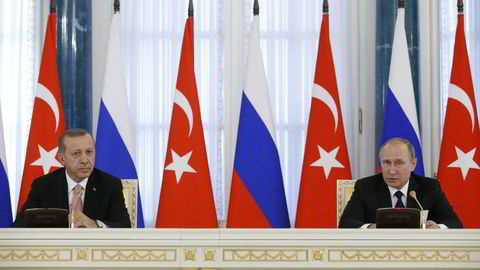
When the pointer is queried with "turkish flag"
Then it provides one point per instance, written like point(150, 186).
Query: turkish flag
point(326, 154)
point(458, 167)
point(186, 198)
point(48, 122)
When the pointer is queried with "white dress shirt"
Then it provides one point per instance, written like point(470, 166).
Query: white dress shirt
point(71, 185)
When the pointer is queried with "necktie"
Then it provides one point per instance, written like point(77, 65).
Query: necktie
point(77, 204)
point(399, 203)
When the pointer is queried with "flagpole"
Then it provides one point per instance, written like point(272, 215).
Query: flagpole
point(116, 6)
point(53, 6)
point(325, 6)
point(256, 8)
point(190, 8)
point(460, 6)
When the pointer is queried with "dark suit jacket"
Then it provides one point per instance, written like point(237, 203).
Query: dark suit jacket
point(372, 193)
point(103, 200)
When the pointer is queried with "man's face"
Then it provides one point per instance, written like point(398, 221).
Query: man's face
point(397, 164)
point(79, 156)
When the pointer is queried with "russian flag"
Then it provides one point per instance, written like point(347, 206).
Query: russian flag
point(6, 217)
point(115, 142)
point(257, 197)
point(400, 118)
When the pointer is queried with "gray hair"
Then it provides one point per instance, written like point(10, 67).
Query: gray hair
point(397, 140)
point(73, 132)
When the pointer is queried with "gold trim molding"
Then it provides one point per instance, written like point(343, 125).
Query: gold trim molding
point(35, 254)
point(317, 254)
point(190, 254)
point(81, 254)
point(209, 255)
point(265, 255)
point(149, 255)
point(403, 255)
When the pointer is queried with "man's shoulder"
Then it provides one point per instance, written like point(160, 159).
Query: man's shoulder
point(49, 177)
point(424, 181)
point(369, 180)
point(100, 175)
point(423, 178)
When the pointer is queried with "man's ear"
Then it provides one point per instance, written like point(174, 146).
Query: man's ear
point(60, 158)
point(413, 164)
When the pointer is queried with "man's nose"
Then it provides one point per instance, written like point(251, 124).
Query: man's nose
point(83, 158)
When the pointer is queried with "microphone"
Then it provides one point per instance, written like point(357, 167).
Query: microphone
point(423, 214)
point(413, 194)
point(73, 208)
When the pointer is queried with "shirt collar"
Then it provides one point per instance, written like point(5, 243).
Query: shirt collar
point(71, 183)
point(404, 189)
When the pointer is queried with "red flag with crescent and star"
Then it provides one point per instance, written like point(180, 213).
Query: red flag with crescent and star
point(458, 167)
point(186, 198)
point(48, 122)
point(326, 154)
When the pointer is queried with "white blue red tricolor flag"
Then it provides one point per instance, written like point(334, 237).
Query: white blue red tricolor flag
point(115, 143)
point(257, 196)
point(400, 118)
point(6, 217)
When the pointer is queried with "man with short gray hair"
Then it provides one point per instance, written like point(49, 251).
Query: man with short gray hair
point(93, 198)
point(392, 187)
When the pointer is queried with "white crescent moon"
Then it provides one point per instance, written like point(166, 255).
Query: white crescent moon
point(459, 95)
point(323, 95)
point(182, 101)
point(46, 95)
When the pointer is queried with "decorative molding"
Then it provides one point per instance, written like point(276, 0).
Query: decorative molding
point(403, 255)
point(190, 254)
point(35, 254)
point(239, 248)
point(209, 255)
point(317, 254)
point(265, 255)
point(140, 254)
point(81, 254)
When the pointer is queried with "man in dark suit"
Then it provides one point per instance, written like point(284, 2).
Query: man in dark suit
point(392, 188)
point(95, 198)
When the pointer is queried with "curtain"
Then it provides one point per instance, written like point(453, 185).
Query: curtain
point(289, 33)
point(152, 33)
point(19, 53)
point(448, 26)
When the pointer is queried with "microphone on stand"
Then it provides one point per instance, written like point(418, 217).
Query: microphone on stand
point(73, 208)
point(413, 194)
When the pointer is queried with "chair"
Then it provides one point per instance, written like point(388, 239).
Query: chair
point(344, 192)
point(130, 195)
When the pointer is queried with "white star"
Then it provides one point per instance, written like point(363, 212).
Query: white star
point(327, 160)
point(465, 161)
point(180, 165)
point(47, 159)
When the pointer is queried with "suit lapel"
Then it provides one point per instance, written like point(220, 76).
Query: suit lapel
point(92, 196)
point(383, 199)
point(413, 186)
point(63, 190)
